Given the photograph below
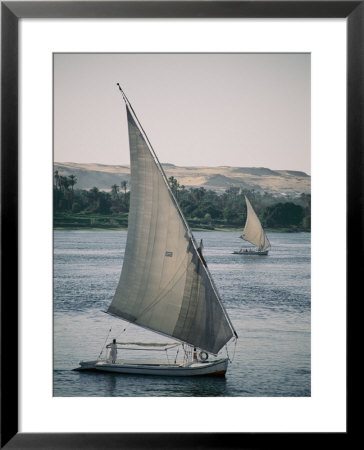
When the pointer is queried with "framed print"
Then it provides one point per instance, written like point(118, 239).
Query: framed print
point(57, 58)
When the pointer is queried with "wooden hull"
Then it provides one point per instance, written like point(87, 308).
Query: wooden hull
point(198, 368)
point(251, 253)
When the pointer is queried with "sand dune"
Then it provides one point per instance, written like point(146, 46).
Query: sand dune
point(277, 182)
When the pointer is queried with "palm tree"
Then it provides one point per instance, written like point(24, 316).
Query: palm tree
point(124, 185)
point(95, 192)
point(72, 181)
point(174, 185)
point(56, 192)
point(199, 193)
point(56, 177)
point(114, 191)
point(64, 183)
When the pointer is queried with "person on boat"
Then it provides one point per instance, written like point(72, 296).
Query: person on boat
point(113, 351)
point(194, 354)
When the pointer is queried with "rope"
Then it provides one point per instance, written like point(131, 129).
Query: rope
point(236, 341)
point(227, 351)
point(175, 359)
point(148, 349)
point(122, 331)
point(102, 349)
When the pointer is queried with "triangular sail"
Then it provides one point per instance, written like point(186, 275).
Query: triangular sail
point(164, 285)
point(253, 230)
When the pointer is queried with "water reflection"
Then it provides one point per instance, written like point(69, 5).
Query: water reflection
point(131, 386)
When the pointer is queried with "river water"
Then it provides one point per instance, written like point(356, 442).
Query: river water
point(267, 298)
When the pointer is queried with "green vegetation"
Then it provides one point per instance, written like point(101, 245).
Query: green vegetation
point(203, 209)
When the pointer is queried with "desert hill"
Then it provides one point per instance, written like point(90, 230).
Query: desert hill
point(276, 182)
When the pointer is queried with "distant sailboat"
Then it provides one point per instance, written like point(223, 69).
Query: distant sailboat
point(253, 232)
point(165, 285)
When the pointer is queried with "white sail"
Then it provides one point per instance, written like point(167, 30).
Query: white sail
point(253, 230)
point(164, 284)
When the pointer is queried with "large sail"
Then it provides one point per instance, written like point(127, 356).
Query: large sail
point(253, 231)
point(164, 285)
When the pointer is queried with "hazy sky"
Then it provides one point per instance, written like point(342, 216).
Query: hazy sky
point(248, 110)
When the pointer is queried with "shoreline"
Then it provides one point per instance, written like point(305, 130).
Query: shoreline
point(238, 230)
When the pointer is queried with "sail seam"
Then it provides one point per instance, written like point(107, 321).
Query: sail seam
point(189, 305)
point(162, 295)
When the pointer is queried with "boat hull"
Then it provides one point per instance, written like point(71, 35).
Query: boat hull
point(199, 368)
point(251, 253)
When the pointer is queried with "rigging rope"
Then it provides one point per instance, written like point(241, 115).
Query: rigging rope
point(102, 349)
point(227, 351)
point(236, 341)
point(147, 349)
point(175, 359)
point(167, 355)
point(122, 331)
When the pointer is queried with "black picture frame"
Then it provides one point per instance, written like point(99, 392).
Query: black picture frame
point(11, 12)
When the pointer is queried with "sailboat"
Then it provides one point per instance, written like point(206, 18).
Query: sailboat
point(253, 232)
point(165, 285)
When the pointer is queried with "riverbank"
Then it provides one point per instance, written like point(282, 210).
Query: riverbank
point(80, 221)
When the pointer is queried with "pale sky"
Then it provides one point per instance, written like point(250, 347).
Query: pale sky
point(246, 110)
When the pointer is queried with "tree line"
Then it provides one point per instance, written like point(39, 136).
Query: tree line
point(201, 207)
point(66, 199)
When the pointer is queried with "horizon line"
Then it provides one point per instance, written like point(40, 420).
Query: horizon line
point(175, 165)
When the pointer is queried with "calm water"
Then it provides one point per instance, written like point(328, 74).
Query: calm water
point(267, 299)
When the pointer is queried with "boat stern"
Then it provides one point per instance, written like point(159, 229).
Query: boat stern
point(86, 365)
